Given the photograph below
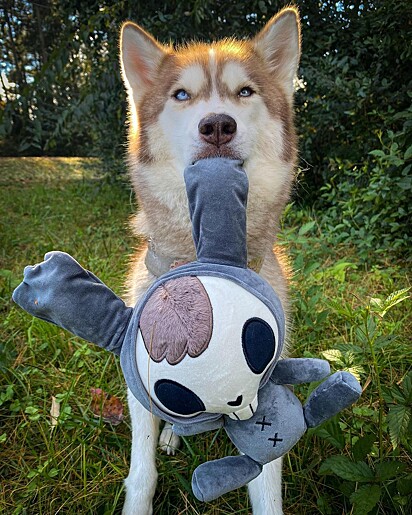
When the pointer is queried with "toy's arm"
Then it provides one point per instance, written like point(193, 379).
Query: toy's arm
point(300, 370)
point(198, 427)
point(61, 291)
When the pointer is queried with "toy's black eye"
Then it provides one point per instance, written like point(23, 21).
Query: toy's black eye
point(181, 95)
point(246, 92)
point(177, 398)
point(259, 344)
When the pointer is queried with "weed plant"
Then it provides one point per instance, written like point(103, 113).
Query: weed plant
point(353, 312)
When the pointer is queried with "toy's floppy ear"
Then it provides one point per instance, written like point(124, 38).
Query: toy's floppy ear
point(61, 291)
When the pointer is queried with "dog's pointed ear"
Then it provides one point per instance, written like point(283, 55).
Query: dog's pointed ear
point(279, 45)
point(140, 55)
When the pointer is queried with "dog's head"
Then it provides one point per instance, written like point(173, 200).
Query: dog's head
point(230, 98)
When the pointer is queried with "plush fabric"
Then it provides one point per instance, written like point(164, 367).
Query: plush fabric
point(212, 477)
point(300, 370)
point(61, 291)
point(217, 205)
point(202, 347)
point(331, 397)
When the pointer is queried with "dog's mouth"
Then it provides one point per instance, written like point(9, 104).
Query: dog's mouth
point(213, 151)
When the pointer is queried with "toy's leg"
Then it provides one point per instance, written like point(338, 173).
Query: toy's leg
point(265, 491)
point(141, 481)
point(215, 478)
point(339, 391)
point(169, 442)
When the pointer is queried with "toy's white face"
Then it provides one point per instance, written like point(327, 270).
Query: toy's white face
point(225, 377)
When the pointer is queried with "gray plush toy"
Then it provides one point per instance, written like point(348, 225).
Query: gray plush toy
point(201, 349)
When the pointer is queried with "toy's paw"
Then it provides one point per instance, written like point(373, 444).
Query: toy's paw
point(215, 478)
point(169, 442)
point(338, 392)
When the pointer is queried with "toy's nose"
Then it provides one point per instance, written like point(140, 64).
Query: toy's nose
point(246, 412)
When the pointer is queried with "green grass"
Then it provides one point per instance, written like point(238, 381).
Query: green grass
point(78, 466)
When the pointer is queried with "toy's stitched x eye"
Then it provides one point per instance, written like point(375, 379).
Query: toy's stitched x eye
point(181, 95)
point(246, 92)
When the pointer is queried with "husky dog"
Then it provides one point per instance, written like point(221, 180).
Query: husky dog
point(232, 99)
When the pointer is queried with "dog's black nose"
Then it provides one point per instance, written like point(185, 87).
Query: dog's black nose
point(217, 129)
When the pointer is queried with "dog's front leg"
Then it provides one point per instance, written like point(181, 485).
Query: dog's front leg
point(266, 490)
point(141, 481)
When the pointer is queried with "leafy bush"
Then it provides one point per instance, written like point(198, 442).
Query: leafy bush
point(373, 470)
point(368, 205)
point(358, 462)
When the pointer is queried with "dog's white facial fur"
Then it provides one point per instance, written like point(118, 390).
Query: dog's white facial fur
point(164, 137)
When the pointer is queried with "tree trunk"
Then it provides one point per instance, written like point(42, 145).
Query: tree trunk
point(21, 79)
point(36, 10)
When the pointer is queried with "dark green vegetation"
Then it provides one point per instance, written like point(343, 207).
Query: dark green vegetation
point(342, 310)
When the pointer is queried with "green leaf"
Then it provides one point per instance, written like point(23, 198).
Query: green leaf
point(332, 433)
point(31, 410)
point(393, 299)
point(371, 327)
point(365, 499)
point(184, 482)
point(389, 469)
point(343, 467)
point(306, 227)
point(394, 393)
point(404, 485)
point(407, 386)
point(53, 473)
point(398, 420)
point(262, 7)
point(333, 355)
point(377, 153)
point(363, 447)
point(363, 411)
point(384, 340)
point(355, 370)
point(338, 271)
point(360, 335)
point(408, 153)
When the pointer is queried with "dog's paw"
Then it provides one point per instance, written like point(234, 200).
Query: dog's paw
point(168, 441)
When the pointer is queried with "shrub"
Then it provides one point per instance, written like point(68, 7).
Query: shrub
point(368, 205)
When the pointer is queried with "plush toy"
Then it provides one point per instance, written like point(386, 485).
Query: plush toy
point(201, 349)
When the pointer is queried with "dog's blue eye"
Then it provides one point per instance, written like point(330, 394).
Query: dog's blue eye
point(246, 92)
point(181, 95)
